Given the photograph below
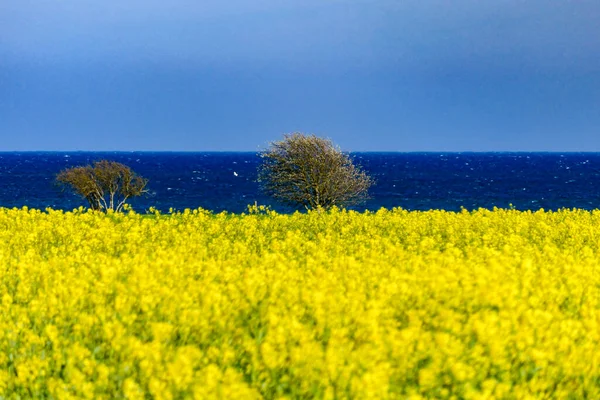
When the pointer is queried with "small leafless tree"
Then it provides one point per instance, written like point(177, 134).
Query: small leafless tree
point(305, 170)
point(106, 186)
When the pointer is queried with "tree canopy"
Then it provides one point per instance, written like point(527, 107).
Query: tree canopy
point(306, 170)
point(106, 185)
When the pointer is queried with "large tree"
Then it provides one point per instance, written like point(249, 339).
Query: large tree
point(106, 185)
point(306, 170)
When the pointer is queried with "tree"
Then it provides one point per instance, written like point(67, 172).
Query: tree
point(106, 185)
point(305, 170)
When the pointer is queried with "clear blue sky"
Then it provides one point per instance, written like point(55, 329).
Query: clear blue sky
point(373, 75)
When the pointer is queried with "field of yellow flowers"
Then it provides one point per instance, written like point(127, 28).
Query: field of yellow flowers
point(485, 304)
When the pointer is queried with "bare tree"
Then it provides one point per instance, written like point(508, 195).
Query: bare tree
point(305, 170)
point(106, 186)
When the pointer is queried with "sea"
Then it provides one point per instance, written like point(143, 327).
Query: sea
point(226, 181)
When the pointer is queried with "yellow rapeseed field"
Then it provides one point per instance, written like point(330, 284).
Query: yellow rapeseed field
point(394, 304)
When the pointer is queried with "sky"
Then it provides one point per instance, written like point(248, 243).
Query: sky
point(372, 75)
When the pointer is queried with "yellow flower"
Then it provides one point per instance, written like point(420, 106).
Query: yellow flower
point(387, 304)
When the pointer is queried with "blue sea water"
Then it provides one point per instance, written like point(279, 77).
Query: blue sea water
point(414, 181)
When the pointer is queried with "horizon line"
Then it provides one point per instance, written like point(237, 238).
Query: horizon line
point(344, 151)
